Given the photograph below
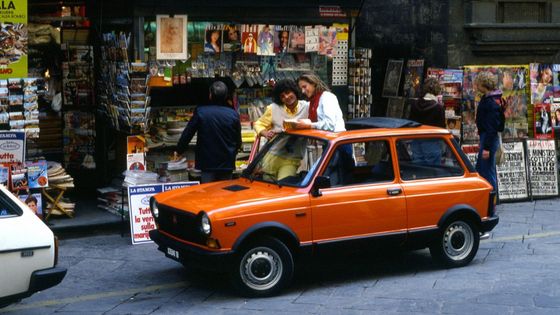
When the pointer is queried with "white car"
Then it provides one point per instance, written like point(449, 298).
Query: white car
point(28, 251)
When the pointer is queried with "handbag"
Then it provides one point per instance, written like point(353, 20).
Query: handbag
point(500, 152)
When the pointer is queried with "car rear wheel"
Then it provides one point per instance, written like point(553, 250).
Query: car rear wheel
point(263, 268)
point(457, 243)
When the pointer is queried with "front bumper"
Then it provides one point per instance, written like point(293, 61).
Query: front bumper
point(489, 224)
point(190, 255)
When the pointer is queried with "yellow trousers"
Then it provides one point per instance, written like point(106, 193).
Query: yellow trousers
point(280, 167)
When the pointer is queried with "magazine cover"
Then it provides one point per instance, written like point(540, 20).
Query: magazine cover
point(454, 125)
point(541, 83)
point(392, 78)
point(231, 38)
point(471, 150)
point(265, 40)
point(37, 174)
point(297, 39)
point(4, 175)
point(555, 118)
point(34, 202)
point(413, 78)
point(135, 144)
point(213, 39)
point(327, 41)
point(281, 39)
point(543, 122)
point(312, 38)
point(18, 177)
point(249, 38)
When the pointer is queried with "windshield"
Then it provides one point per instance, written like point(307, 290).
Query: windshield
point(288, 160)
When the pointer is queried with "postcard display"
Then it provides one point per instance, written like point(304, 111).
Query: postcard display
point(359, 77)
point(78, 107)
point(122, 85)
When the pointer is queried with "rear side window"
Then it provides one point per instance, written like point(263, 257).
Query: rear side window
point(8, 207)
point(427, 158)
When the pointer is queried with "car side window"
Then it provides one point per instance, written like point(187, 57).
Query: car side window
point(7, 206)
point(360, 163)
point(427, 158)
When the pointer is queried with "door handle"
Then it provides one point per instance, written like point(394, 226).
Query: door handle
point(301, 214)
point(394, 191)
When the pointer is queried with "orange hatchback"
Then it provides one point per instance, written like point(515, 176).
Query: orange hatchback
point(385, 182)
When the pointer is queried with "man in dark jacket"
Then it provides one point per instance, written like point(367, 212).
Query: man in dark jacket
point(487, 122)
point(218, 136)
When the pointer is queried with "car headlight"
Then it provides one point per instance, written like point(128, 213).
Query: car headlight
point(205, 225)
point(154, 207)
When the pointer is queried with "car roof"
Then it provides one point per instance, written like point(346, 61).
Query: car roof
point(370, 132)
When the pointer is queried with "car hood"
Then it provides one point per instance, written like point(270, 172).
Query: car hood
point(219, 196)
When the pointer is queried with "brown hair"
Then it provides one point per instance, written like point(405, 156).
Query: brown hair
point(314, 79)
point(431, 85)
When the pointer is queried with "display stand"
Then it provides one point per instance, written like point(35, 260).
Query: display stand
point(59, 192)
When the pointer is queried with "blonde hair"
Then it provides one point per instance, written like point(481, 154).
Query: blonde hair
point(314, 79)
point(487, 80)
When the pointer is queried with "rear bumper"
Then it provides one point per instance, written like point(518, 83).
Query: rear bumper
point(489, 223)
point(190, 255)
point(40, 280)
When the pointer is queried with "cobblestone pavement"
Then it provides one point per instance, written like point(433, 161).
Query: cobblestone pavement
point(515, 272)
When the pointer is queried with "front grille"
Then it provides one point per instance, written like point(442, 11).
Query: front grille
point(181, 224)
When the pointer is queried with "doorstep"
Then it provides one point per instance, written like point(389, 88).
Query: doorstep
point(88, 220)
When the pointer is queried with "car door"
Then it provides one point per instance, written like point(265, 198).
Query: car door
point(364, 201)
point(430, 170)
point(26, 245)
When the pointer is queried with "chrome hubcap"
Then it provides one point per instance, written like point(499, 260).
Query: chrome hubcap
point(261, 268)
point(458, 240)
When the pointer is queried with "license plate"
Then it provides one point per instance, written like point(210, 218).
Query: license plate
point(172, 253)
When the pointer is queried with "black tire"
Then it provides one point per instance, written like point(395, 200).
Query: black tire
point(262, 268)
point(457, 243)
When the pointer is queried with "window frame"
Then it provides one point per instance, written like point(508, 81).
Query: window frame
point(388, 140)
point(450, 147)
point(13, 208)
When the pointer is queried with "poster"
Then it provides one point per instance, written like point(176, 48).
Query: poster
point(135, 162)
point(265, 40)
point(543, 122)
point(37, 176)
point(141, 219)
point(512, 80)
point(4, 175)
point(413, 77)
point(231, 38)
point(392, 78)
point(171, 37)
point(12, 146)
point(297, 39)
point(312, 38)
point(14, 39)
point(213, 39)
point(543, 168)
point(281, 39)
point(512, 173)
point(327, 41)
point(541, 82)
point(249, 35)
point(34, 202)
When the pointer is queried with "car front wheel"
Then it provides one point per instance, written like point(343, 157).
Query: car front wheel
point(263, 268)
point(457, 243)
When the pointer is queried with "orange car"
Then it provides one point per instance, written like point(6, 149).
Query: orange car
point(309, 190)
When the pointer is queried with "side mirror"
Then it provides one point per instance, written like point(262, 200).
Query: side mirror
point(320, 183)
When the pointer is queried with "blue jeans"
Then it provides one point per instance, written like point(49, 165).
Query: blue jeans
point(426, 152)
point(487, 168)
point(207, 177)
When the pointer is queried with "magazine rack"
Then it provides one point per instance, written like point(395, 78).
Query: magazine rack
point(57, 191)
